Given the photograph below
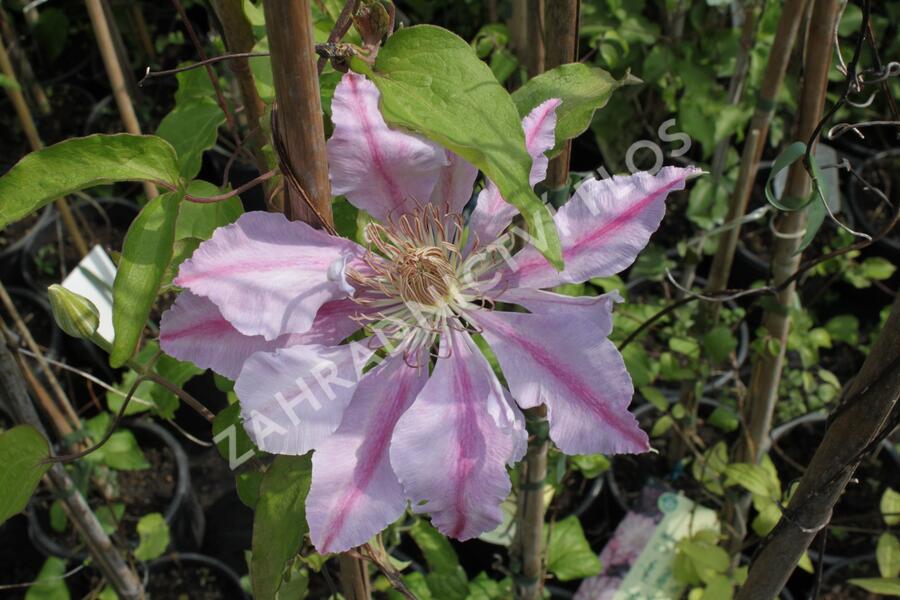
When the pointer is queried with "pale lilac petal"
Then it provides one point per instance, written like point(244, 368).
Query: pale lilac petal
point(561, 361)
point(380, 170)
point(602, 228)
point(492, 213)
point(267, 275)
point(294, 398)
point(355, 493)
point(194, 330)
point(540, 136)
point(454, 184)
point(451, 447)
point(334, 322)
point(596, 310)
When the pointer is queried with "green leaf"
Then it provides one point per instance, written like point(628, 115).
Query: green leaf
point(581, 88)
point(890, 507)
point(121, 451)
point(22, 449)
point(887, 552)
point(432, 82)
point(439, 554)
point(876, 585)
point(280, 522)
point(154, 533)
point(229, 434)
point(145, 255)
point(719, 343)
point(718, 588)
point(724, 418)
point(590, 465)
point(708, 559)
point(787, 157)
point(569, 555)
point(192, 128)
point(752, 478)
point(767, 518)
point(878, 268)
point(199, 220)
point(109, 516)
point(50, 584)
point(843, 328)
point(446, 578)
point(78, 163)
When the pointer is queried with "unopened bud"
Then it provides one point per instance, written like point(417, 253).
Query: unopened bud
point(75, 314)
point(373, 22)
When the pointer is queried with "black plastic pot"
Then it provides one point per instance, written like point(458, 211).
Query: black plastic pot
point(859, 198)
point(721, 380)
point(187, 564)
point(183, 513)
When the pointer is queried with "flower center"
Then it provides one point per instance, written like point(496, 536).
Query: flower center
point(423, 275)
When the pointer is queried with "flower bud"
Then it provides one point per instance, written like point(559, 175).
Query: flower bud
point(75, 314)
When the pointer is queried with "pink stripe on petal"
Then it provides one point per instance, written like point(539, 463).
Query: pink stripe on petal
point(355, 493)
point(194, 330)
point(492, 213)
point(454, 184)
point(450, 449)
point(377, 168)
point(602, 229)
point(559, 360)
point(267, 275)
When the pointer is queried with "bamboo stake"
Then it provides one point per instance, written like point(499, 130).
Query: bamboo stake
point(26, 72)
point(870, 411)
point(534, 44)
point(116, 75)
point(62, 401)
point(34, 140)
point(767, 370)
point(239, 38)
point(299, 124)
point(140, 28)
point(105, 555)
point(779, 56)
point(300, 138)
point(560, 47)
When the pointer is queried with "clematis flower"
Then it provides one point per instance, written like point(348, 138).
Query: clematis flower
point(272, 304)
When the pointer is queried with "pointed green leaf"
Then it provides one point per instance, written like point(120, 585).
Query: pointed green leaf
point(890, 507)
point(79, 163)
point(50, 584)
point(145, 255)
point(22, 449)
point(569, 555)
point(432, 82)
point(192, 128)
point(878, 585)
point(581, 88)
point(280, 522)
point(887, 552)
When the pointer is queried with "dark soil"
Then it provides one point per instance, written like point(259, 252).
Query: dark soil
point(148, 490)
point(180, 581)
point(836, 588)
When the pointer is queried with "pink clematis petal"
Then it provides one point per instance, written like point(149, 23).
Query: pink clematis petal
point(602, 228)
point(596, 310)
point(451, 447)
point(267, 275)
point(194, 329)
point(355, 493)
point(293, 399)
point(561, 361)
point(380, 170)
point(492, 213)
point(454, 184)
